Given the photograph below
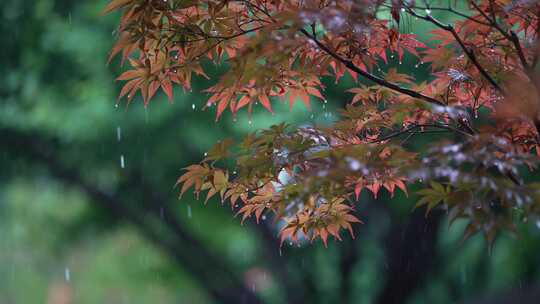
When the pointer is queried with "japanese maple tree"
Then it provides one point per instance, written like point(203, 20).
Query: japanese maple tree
point(481, 100)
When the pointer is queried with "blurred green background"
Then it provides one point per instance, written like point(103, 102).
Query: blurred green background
point(88, 212)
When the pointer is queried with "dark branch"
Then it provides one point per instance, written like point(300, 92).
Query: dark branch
point(350, 65)
point(517, 45)
point(417, 126)
point(411, 251)
point(470, 54)
point(512, 37)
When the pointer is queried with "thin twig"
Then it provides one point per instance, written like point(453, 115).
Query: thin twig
point(417, 126)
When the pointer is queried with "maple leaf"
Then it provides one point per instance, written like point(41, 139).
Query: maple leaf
point(195, 176)
point(393, 76)
point(433, 196)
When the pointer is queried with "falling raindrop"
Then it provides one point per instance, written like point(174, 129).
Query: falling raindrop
point(67, 274)
point(116, 105)
point(193, 106)
point(118, 133)
point(189, 214)
point(250, 122)
point(122, 163)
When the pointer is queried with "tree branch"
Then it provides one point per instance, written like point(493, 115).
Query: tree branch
point(410, 250)
point(512, 37)
point(416, 126)
point(350, 65)
point(470, 54)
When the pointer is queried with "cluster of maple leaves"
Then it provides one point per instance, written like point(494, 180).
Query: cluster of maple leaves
point(483, 99)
